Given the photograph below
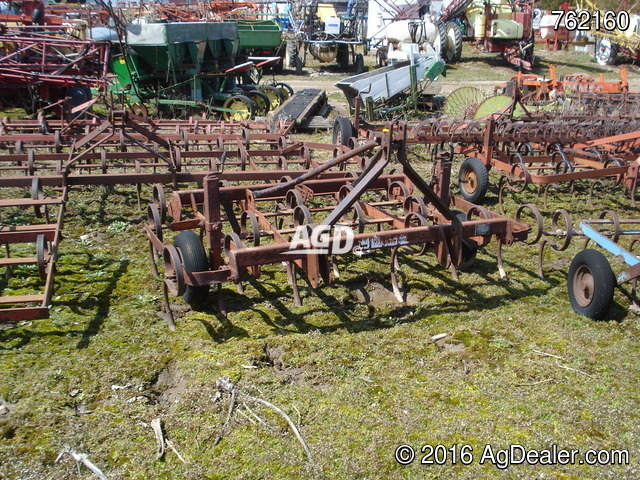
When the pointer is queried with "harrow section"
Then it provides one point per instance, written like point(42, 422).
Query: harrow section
point(355, 213)
point(534, 151)
point(30, 246)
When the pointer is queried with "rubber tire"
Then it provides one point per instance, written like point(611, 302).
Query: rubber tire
point(603, 279)
point(342, 131)
point(454, 42)
point(475, 166)
point(381, 58)
point(613, 53)
point(343, 56)
point(261, 101)
point(469, 247)
point(440, 45)
point(359, 64)
point(298, 63)
point(79, 95)
point(291, 53)
point(194, 258)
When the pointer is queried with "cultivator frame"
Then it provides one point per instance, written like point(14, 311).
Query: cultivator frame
point(535, 150)
point(45, 236)
point(426, 221)
point(244, 167)
point(590, 279)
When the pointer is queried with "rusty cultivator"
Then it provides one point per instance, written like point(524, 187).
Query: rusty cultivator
point(31, 245)
point(48, 67)
point(243, 195)
point(537, 151)
point(248, 223)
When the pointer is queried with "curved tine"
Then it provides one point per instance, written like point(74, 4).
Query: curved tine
point(538, 221)
point(503, 272)
point(567, 233)
point(395, 267)
point(617, 230)
point(540, 258)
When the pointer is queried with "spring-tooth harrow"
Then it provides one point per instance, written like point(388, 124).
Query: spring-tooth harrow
point(261, 186)
point(248, 226)
point(538, 151)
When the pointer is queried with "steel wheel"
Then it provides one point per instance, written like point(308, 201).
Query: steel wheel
point(261, 101)
point(285, 90)
point(273, 94)
point(194, 259)
point(242, 108)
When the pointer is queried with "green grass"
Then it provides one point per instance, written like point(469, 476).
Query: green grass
point(359, 377)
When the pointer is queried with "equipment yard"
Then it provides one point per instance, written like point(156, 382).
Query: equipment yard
point(441, 343)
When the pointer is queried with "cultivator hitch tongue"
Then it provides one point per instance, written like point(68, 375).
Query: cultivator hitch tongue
point(312, 217)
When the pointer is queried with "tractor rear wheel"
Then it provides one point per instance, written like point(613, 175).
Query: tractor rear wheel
point(454, 42)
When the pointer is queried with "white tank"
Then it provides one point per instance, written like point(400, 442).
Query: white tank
point(547, 32)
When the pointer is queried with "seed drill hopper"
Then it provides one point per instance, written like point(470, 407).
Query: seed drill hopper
point(186, 66)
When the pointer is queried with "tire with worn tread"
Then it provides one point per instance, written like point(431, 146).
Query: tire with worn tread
point(342, 131)
point(473, 180)
point(454, 42)
point(590, 283)
point(194, 258)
